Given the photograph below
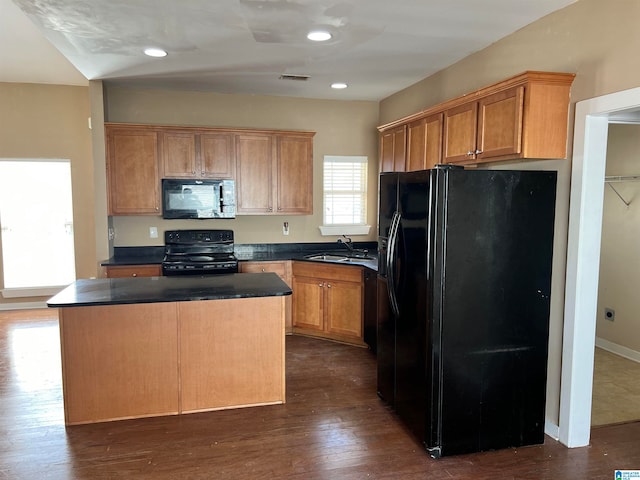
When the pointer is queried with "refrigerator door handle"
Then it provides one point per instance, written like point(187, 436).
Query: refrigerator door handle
point(391, 261)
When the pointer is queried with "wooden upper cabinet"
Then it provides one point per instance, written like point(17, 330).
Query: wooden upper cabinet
point(254, 173)
point(274, 174)
point(500, 124)
point(393, 150)
point(217, 155)
point(488, 128)
point(460, 132)
point(190, 154)
point(523, 117)
point(424, 143)
point(294, 175)
point(178, 157)
point(133, 181)
point(273, 169)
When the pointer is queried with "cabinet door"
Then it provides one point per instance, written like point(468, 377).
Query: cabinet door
point(178, 154)
point(343, 308)
point(134, 271)
point(393, 150)
point(294, 161)
point(386, 152)
point(460, 127)
point(424, 143)
point(217, 155)
point(416, 145)
point(308, 303)
point(500, 123)
point(133, 182)
point(254, 174)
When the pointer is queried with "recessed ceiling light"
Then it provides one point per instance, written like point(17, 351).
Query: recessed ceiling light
point(155, 52)
point(339, 85)
point(319, 36)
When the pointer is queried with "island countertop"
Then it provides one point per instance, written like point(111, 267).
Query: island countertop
point(114, 291)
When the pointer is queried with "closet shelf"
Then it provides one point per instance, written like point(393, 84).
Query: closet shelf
point(618, 179)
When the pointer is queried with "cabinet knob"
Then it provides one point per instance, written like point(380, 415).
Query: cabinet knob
point(478, 152)
point(470, 153)
point(320, 285)
point(134, 274)
point(269, 209)
point(263, 270)
point(328, 285)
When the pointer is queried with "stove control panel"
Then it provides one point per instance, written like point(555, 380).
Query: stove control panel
point(194, 237)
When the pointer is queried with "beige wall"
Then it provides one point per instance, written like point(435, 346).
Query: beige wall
point(620, 256)
point(595, 39)
point(49, 121)
point(342, 128)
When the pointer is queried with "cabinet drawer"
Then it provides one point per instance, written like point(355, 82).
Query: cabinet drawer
point(134, 271)
point(345, 273)
point(261, 267)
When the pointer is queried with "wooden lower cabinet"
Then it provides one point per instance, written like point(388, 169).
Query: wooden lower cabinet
point(328, 301)
point(283, 270)
point(122, 271)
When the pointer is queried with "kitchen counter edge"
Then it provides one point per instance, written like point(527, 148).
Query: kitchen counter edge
point(120, 291)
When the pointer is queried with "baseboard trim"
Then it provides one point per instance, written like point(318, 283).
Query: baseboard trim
point(618, 349)
point(22, 306)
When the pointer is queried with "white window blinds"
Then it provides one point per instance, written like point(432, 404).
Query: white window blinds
point(345, 190)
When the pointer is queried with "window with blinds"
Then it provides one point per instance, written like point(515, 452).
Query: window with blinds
point(345, 190)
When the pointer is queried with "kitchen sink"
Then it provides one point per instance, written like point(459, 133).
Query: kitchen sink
point(331, 257)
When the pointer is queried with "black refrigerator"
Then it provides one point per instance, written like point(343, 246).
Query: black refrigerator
point(464, 285)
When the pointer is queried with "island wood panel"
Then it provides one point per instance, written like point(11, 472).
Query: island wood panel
point(283, 270)
point(232, 353)
point(119, 361)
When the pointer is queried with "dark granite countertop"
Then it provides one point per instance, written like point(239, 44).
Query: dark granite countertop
point(135, 256)
point(250, 253)
point(114, 291)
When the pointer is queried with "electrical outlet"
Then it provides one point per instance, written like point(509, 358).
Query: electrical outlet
point(153, 232)
point(285, 228)
point(609, 314)
point(112, 233)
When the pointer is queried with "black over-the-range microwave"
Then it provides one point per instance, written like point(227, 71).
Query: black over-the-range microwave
point(198, 198)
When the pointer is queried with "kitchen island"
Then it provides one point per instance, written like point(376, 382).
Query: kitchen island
point(151, 346)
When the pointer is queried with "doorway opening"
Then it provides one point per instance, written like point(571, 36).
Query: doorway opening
point(36, 220)
point(583, 255)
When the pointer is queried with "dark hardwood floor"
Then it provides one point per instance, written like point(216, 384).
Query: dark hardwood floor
point(333, 426)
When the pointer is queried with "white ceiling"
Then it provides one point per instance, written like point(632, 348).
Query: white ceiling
point(243, 46)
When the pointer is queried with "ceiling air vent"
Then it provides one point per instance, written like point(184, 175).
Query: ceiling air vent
point(300, 78)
